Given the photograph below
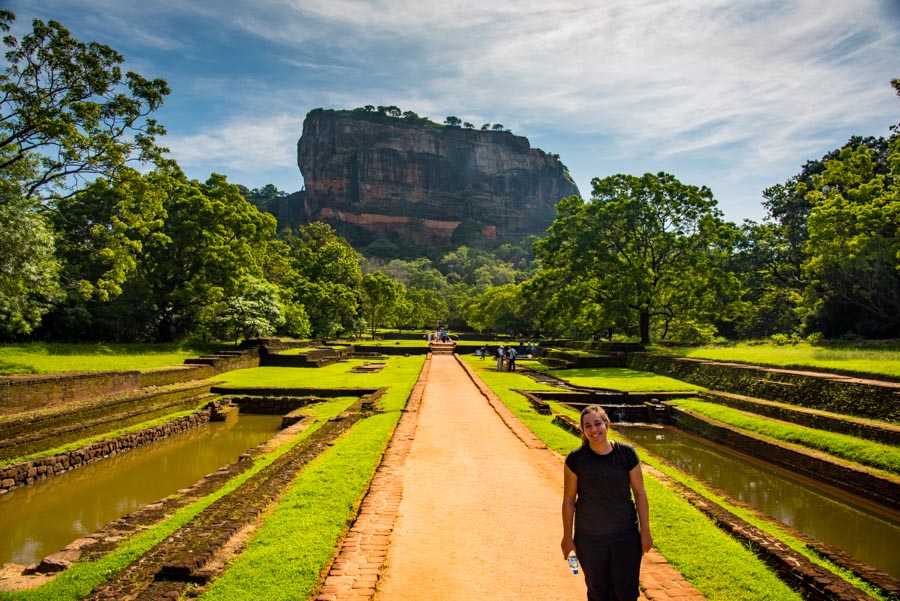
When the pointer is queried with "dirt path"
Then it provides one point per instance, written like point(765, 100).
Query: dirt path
point(466, 505)
point(479, 517)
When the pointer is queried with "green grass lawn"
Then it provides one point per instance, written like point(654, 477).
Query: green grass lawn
point(35, 358)
point(336, 375)
point(883, 359)
point(620, 378)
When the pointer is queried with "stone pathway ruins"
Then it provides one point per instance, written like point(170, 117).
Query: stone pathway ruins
point(466, 505)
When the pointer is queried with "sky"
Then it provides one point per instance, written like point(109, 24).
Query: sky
point(735, 95)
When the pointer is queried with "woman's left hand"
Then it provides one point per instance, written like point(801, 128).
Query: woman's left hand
point(646, 541)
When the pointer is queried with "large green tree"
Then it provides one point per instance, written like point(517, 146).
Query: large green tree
point(67, 115)
point(328, 278)
point(821, 260)
point(384, 300)
point(500, 309)
point(69, 104)
point(185, 259)
point(852, 264)
point(645, 251)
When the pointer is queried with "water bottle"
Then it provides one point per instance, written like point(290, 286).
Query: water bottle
point(573, 563)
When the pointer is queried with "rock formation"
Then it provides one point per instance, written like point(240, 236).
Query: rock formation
point(422, 179)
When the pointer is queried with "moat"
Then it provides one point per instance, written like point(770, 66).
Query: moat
point(40, 519)
point(863, 529)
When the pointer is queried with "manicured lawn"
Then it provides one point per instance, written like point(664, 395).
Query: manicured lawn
point(52, 357)
point(883, 359)
point(417, 343)
point(336, 375)
point(623, 379)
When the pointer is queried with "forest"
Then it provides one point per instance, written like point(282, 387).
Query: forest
point(104, 238)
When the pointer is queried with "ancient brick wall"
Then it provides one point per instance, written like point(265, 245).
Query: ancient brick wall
point(23, 393)
point(28, 472)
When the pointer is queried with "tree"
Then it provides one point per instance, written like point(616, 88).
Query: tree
point(28, 267)
point(423, 308)
point(328, 278)
point(383, 297)
point(485, 127)
point(256, 312)
point(499, 309)
point(452, 121)
point(647, 249)
point(497, 127)
point(468, 125)
point(854, 244)
point(789, 286)
point(64, 102)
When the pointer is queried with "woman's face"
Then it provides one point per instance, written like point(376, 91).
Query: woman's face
point(594, 426)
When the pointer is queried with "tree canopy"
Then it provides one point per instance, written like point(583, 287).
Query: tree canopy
point(64, 103)
point(645, 251)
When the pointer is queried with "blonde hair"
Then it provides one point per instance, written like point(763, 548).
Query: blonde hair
point(588, 410)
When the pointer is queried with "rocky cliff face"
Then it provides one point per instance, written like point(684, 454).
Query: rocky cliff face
point(421, 179)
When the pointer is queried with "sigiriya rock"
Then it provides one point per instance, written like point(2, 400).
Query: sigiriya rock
point(422, 179)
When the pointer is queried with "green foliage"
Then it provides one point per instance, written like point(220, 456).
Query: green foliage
point(646, 251)
point(100, 231)
point(327, 278)
point(854, 244)
point(68, 114)
point(69, 104)
point(256, 313)
point(28, 268)
point(384, 300)
point(825, 259)
point(500, 309)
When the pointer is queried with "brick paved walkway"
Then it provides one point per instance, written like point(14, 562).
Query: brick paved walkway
point(463, 483)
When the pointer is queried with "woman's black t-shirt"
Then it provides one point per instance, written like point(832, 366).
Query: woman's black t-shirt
point(604, 506)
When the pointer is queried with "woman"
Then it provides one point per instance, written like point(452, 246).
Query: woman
point(611, 531)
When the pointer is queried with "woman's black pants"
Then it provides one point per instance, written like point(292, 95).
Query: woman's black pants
point(611, 569)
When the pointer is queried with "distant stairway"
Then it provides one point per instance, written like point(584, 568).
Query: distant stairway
point(443, 348)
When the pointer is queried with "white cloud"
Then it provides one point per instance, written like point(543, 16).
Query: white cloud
point(242, 144)
point(732, 90)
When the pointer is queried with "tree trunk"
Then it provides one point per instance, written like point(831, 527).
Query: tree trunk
point(644, 317)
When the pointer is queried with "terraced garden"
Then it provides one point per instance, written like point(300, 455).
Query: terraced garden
point(274, 518)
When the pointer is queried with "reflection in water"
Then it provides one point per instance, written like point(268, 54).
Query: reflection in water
point(42, 518)
point(823, 513)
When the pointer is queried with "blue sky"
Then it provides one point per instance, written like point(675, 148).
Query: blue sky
point(732, 94)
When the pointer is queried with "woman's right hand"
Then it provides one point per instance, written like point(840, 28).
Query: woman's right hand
point(567, 546)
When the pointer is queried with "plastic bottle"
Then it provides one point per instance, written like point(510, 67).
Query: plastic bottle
point(573, 563)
